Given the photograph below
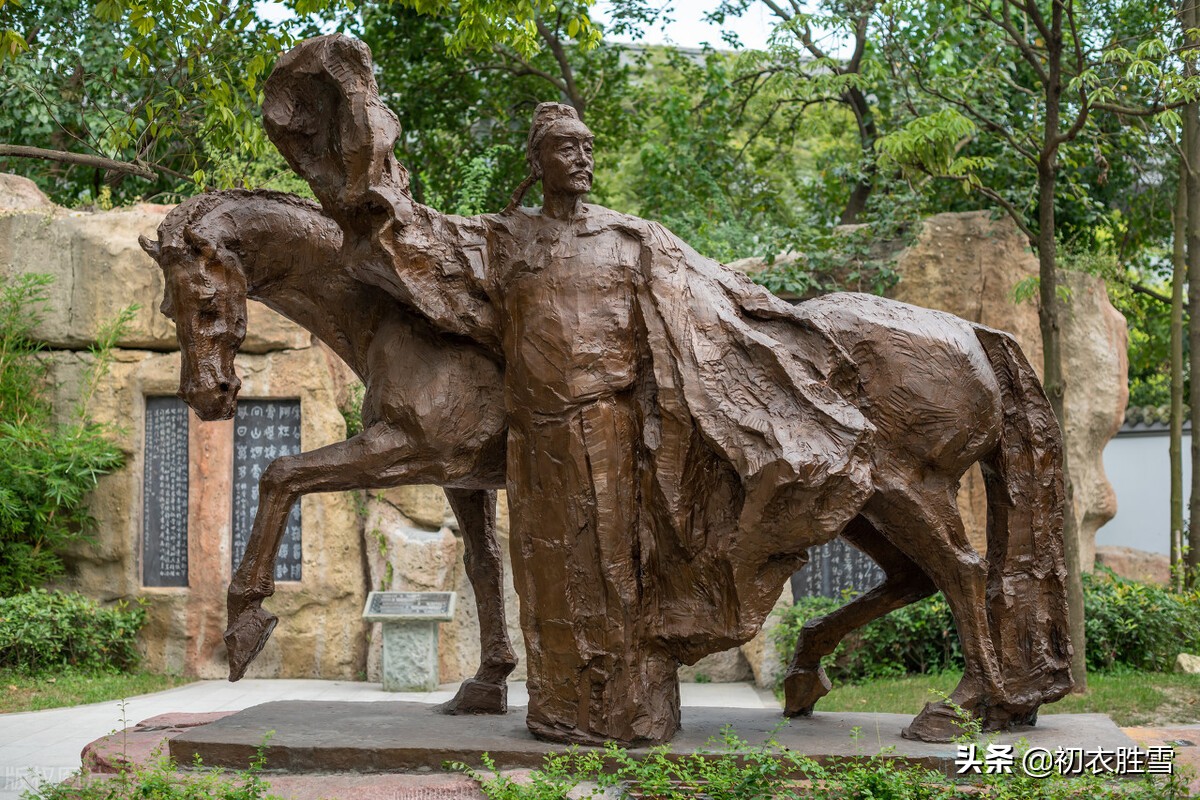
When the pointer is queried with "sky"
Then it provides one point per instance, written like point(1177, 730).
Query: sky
point(687, 29)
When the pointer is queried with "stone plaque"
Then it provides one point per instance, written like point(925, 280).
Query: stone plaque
point(388, 606)
point(264, 430)
point(165, 493)
point(834, 568)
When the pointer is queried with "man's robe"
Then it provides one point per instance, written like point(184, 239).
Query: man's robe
point(757, 450)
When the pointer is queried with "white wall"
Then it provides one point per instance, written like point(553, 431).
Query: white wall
point(1139, 470)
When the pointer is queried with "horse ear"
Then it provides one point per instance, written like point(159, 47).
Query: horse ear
point(200, 243)
point(151, 247)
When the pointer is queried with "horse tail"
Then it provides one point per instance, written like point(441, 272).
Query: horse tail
point(1027, 572)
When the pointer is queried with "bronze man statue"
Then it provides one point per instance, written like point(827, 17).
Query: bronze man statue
point(678, 437)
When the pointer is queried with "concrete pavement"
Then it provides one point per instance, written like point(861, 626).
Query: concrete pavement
point(46, 745)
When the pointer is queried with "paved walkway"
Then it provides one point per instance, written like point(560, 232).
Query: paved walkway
point(47, 744)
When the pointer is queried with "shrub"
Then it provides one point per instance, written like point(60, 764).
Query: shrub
point(161, 779)
point(1130, 625)
point(42, 631)
point(918, 638)
point(1138, 625)
point(730, 768)
point(48, 462)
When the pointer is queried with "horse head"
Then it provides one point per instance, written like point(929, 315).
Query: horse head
point(206, 297)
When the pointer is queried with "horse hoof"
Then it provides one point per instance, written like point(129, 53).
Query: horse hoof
point(476, 697)
point(939, 722)
point(246, 638)
point(802, 689)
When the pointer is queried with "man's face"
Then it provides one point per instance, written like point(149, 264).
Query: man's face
point(566, 158)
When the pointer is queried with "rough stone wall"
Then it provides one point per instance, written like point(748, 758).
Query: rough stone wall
point(98, 269)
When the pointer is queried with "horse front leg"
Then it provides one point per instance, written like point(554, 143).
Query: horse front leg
point(375, 458)
point(487, 692)
point(905, 583)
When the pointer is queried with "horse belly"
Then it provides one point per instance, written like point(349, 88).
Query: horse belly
point(446, 398)
point(926, 383)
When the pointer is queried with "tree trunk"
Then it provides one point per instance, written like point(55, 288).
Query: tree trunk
point(867, 134)
point(1055, 386)
point(1178, 279)
point(1191, 158)
point(1049, 319)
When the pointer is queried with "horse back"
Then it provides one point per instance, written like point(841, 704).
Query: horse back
point(924, 380)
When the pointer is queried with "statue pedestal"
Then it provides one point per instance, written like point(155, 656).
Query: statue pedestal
point(410, 636)
point(410, 656)
point(325, 736)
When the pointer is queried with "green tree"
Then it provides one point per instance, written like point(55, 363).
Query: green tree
point(168, 91)
point(466, 113)
point(48, 461)
point(1042, 79)
point(694, 169)
point(800, 70)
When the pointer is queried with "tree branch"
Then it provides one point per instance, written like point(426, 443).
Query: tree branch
point(1146, 290)
point(525, 68)
point(564, 64)
point(1013, 213)
point(1005, 23)
point(1147, 111)
point(860, 39)
point(1080, 119)
point(987, 122)
point(82, 159)
point(1031, 10)
point(778, 10)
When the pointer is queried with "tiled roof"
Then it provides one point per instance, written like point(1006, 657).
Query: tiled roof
point(1151, 419)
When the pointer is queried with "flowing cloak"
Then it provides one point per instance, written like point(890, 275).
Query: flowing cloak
point(755, 448)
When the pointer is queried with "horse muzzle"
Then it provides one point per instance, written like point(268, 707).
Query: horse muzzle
point(214, 402)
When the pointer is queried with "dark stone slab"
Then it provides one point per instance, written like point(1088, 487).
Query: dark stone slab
point(165, 493)
point(834, 568)
point(263, 431)
point(332, 736)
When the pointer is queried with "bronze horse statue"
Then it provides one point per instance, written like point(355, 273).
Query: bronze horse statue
point(218, 249)
point(433, 413)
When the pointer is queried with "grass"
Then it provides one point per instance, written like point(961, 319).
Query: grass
point(1130, 698)
point(32, 693)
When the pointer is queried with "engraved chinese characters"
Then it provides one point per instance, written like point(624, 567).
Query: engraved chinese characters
point(263, 431)
point(835, 568)
point(165, 494)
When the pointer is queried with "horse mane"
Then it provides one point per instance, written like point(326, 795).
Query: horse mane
point(189, 214)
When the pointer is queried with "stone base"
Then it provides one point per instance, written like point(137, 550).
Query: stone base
point(313, 736)
point(410, 656)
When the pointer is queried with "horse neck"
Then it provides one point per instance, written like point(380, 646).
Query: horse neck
point(291, 258)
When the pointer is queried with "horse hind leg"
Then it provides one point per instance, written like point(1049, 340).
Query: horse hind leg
point(486, 692)
point(921, 519)
point(905, 583)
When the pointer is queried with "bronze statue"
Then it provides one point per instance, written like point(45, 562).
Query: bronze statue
point(422, 419)
point(677, 437)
